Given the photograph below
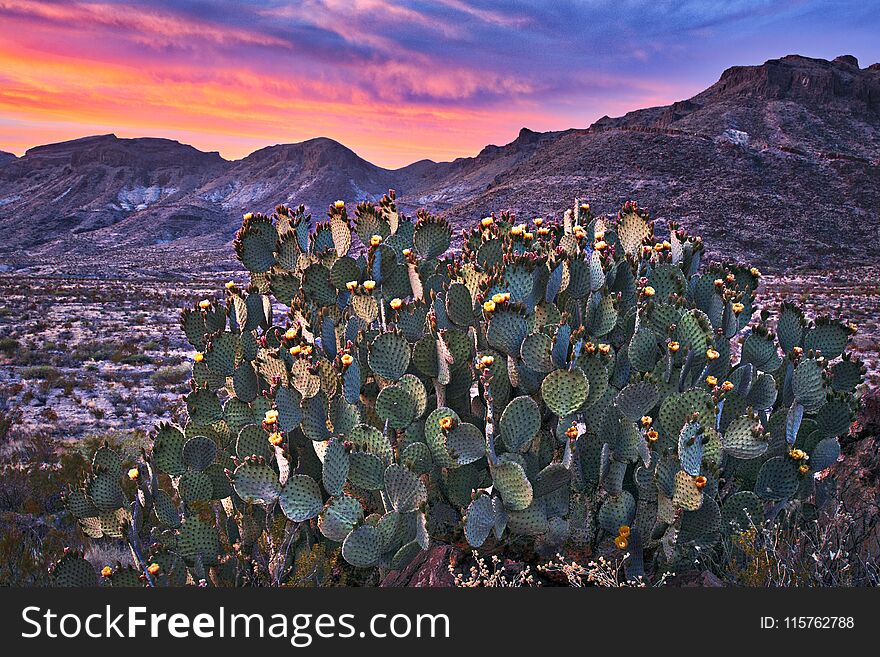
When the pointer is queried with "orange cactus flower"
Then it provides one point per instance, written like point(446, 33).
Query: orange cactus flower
point(153, 568)
point(621, 542)
point(624, 531)
point(445, 423)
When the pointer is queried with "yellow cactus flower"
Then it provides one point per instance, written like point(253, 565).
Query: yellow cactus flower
point(719, 282)
point(797, 350)
point(711, 381)
point(339, 205)
point(307, 349)
point(204, 304)
point(396, 303)
point(658, 247)
point(538, 221)
point(516, 231)
point(407, 253)
point(730, 278)
point(674, 346)
point(489, 306)
point(375, 240)
point(543, 232)
point(600, 245)
point(230, 285)
point(347, 359)
point(754, 271)
point(527, 236)
point(652, 435)
point(199, 357)
point(798, 454)
point(621, 542)
point(487, 361)
point(276, 438)
point(248, 216)
point(579, 232)
point(271, 416)
point(604, 348)
point(351, 286)
point(647, 420)
point(712, 354)
point(106, 571)
point(133, 474)
point(666, 245)
point(370, 285)
point(853, 327)
point(650, 291)
point(700, 482)
point(290, 334)
point(804, 469)
point(600, 235)
point(624, 531)
point(296, 350)
point(585, 207)
point(727, 386)
point(738, 308)
point(153, 568)
point(571, 432)
point(486, 222)
point(589, 348)
point(445, 423)
point(498, 298)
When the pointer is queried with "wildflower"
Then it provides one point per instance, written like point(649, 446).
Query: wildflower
point(712, 354)
point(204, 304)
point(727, 386)
point(133, 474)
point(275, 438)
point(375, 240)
point(396, 303)
point(199, 357)
point(738, 308)
point(339, 205)
point(106, 571)
point(700, 482)
point(652, 435)
point(445, 423)
point(674, 346)
point(650, 291)
point(153, 568)
point(647, 420)
point(486, 222)
point(347, 359)
point(624, 531)
point(621, 542)
point(369, 285)
point(489, 306)
point(712, 381)
point(605, 348)
point(296, 350)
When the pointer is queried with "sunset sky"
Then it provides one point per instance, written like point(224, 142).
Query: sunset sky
point(395, 81)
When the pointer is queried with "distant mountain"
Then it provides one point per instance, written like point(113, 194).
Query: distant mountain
point(780, 162)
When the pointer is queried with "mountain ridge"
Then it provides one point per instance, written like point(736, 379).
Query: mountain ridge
point(782, 142)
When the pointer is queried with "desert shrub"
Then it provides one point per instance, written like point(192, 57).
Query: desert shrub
point(170, 376)
point(45, 372)
point(572, 385)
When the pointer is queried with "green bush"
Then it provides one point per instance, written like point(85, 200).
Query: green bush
point(561, 386)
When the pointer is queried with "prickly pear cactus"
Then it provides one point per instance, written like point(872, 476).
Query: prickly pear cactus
point(550, 383)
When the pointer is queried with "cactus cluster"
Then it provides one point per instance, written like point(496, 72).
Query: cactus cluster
point(548, 385)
